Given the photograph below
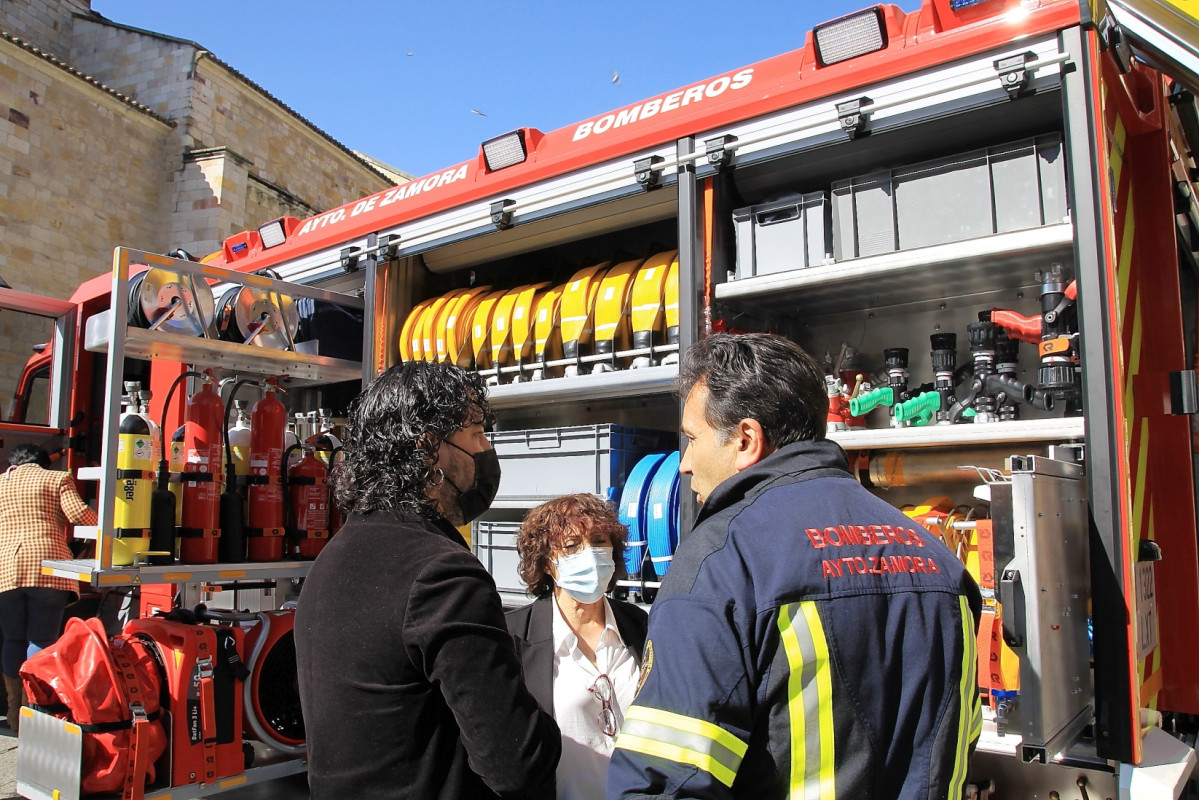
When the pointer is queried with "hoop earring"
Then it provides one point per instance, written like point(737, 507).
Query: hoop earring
point(440, 477)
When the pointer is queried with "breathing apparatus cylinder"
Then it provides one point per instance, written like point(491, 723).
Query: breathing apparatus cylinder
point(201, 476)
point(265, 530)
point(308, 484)
point(232, 543)
point(239, 441)
point(137, 457)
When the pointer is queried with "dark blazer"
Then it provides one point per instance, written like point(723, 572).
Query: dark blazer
point(532, 629)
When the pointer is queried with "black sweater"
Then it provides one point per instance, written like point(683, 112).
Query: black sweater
point(409, 682)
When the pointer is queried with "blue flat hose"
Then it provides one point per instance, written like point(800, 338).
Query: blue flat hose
point(661, 514)
point(632, 509)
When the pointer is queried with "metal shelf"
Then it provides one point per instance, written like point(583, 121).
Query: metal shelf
point(1033, 430)
point(924, 275)
point(88, 570)
point(623, 383)
point(234, 356)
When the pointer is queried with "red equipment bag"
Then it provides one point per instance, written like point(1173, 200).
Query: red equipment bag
point(112, 691)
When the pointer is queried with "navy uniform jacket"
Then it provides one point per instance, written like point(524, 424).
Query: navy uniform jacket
point(809, 641)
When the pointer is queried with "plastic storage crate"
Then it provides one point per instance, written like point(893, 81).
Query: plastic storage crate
point(1000, 189)
point(495, 545)
point(541, 463)
point(792, 232)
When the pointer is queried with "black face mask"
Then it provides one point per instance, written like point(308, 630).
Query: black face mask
point(477, 499)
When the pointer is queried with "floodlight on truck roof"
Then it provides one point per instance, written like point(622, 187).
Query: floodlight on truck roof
point(850, 36)
point(510, 149)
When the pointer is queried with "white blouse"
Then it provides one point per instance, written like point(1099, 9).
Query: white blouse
point(583, 770)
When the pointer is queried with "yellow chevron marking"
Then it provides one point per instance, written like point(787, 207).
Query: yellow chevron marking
point(1124, 262)
point(1115, 154)
point(1134, 358)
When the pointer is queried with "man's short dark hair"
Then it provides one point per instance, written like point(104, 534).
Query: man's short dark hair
point(758, 376)
point(394, 429)
point(29, 453)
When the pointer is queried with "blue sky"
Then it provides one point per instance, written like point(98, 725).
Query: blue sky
point(398, 80)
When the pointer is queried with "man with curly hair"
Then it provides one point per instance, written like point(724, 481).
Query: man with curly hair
point(409, 682)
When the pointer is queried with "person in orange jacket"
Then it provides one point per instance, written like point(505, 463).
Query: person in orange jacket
point(37, 505)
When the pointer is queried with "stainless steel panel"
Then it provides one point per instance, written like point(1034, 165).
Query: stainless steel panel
point(1043, 564)
point(49, 758)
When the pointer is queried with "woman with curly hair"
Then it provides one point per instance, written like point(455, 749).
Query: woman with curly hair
point(409, 683)
point(581, 651)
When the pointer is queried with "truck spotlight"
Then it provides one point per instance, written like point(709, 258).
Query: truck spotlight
point(505, 151)
point(851, 36)
point(272, 233)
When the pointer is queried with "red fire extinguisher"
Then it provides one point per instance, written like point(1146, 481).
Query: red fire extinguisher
point(309, 488)
point(265, 522)
point(202, 441)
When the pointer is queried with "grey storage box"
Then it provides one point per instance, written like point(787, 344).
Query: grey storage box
point(541, 463)
point(495, 545)
point(789, 233)
point(1000, 189)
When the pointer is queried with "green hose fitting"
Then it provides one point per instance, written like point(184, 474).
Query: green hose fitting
point(865, 403)
point(919, 410)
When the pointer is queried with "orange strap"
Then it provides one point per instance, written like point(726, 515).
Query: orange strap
point(207, 702)
point(986, 554)
point(988, 659)
point(995, 662)
point(137, 757)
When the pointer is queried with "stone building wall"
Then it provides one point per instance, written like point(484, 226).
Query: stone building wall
point(245, 158)
point(80, 170)
point(112, 135)
point(46, 23)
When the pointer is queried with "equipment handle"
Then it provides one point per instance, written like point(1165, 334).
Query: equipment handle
point(537, 440)
point(1024, 329)
point(1011, 599)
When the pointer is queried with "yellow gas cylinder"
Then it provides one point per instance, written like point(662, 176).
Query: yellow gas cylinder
point(647, 315)
point(137, 458)
point(239, 440)
point(480, 331)
point(612, 310)
point(522, 326)
point(547, 332)
point(458, 326)
point(578, 313)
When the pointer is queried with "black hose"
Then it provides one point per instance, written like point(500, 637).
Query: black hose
point(288, 520)
point(164, 462)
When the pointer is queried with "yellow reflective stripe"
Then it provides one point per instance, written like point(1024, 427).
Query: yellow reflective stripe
point(684, 740)
point(824, 695)
point(970, 706)
point(679, 755)
point(809, 702)
point(688, 725)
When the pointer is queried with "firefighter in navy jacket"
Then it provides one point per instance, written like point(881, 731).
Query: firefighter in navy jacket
point(809, 639)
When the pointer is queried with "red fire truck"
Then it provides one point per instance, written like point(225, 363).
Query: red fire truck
point(1007, 186)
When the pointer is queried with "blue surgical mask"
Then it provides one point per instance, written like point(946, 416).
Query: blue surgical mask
point(585, 575)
